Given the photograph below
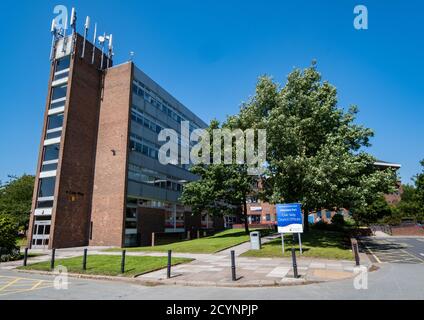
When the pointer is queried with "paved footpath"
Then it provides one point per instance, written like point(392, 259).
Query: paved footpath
point(215, 269)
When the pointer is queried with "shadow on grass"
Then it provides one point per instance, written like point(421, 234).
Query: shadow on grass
point(264, 232)
point(315, 238)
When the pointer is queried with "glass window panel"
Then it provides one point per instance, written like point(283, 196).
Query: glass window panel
point(61, 76)
point(40, 229)
point(57, 105)
point(59, 92)
point(63, 63)
point(44, 204)
point(51, 152)
point(55, 121)
point(49, 167)
point(55, 134)
point(46, 188)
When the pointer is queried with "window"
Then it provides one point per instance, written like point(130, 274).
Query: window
point(268, 217)
point(54, 134)
point(44, 204)
point(131, 213)
point(328, 214)
point(55, 121)
point(59, 104)
point(63, 63)
point(130, 225)
point(51, 152)
point(61, 75)
point(48, 167)
point(46, 188)
point(59, 92)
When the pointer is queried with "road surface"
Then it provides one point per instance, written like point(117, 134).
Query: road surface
point(400, 276)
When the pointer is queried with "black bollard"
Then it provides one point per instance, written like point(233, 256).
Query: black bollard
point(233, 266)
point(294, 263)
point(123, 261)
point(25, 256)
point(168, 270)
point(52, 259)
point(356, 249)
point(84, 260)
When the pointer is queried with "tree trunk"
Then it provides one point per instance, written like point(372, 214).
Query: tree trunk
point(246, 221)
point(305, 220)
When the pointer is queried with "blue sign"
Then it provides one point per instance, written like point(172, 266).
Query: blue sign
point(289, 218)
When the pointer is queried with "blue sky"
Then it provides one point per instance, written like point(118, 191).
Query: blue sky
point(208, 54)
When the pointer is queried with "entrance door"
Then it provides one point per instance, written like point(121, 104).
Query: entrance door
point(40, 237)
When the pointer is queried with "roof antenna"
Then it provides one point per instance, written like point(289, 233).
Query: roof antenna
point(102, 40)
point(94, 43)
point(132, 55)
point(74, 20)
point(53, 31)
point(65, 27)
point(74, 28)
point(110, 50)
point(86, 27)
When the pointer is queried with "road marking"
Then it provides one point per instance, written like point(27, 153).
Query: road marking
point(413, 256)
point(36, 285)
point(9, 284)
point(18, 285)
point(372, 253)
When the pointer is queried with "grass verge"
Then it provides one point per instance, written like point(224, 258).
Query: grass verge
point(109, 265)
point(315, 243)
point(218, 242)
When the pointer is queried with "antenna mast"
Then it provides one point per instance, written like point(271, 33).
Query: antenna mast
point(86, 27)
point(102, 40)
point(65, 27)
point(94, 43)
point(74, 28)
point(110, 51)
point(53, 31)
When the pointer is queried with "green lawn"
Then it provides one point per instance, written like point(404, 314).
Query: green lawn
point(109, 265)
point(315, 243)
point(215, 243)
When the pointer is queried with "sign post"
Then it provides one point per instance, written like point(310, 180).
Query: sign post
point(289, 218)
point(300, 243)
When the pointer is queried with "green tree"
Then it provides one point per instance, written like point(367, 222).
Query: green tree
point(379, 209)
point(315, 150)
point(412, 200)
point(8, 234)
point(419, 184)
point(16, 198)
point(221, 189)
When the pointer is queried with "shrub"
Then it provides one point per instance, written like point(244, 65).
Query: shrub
point(338, 220)
point(8, 234)
point(321, 225)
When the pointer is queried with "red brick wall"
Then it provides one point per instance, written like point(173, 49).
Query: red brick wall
point(150, 220)
point(266, 209)
point(407, 231)
point(71, 219)
point(109, 192)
